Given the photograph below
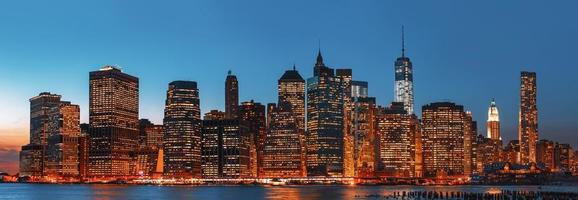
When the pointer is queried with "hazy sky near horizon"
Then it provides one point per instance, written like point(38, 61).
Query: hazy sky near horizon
point(465, 52)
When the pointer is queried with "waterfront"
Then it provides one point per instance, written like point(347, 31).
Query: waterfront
point(301, 192)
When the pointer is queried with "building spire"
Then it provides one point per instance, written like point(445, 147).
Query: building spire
point(319, 56)
point(229, 72)
point(402, 42)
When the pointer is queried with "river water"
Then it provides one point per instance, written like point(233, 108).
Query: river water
point(301, 192)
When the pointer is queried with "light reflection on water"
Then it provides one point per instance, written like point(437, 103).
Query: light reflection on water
point(303, 192)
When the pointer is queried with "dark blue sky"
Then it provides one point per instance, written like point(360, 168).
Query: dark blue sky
point(466, 52)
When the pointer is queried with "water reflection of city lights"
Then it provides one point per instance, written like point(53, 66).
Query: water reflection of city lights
point(494, 191)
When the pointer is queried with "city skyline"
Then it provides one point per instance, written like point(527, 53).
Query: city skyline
point(555, 122)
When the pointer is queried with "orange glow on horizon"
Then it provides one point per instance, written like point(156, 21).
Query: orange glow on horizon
point(11, 139)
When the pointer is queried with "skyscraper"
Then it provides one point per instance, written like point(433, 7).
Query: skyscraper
point(325, 136)
point(252, 114)
point(32, 159)
point(399, 142)
point(291, 89)
point(113, 116)
point(61, 153)
point(283, 155)
point(528, 121)
point(182, 130)
point(33, 155)
point(493, 124)
point(445, 127)
point(404, 79)
point(40, 107)
point(231, 96)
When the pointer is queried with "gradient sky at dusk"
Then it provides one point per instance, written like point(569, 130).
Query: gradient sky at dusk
point(465, 52)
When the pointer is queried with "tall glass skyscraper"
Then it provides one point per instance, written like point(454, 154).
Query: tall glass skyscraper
point(182, 130)
point(324, 122)
point(404, 79)
point(528, 121)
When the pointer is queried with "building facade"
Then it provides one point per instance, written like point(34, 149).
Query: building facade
point(445, 128)
point(253, 115)
point(487, 152)
point(399, 143)
point(511, 151)
point(283, 155)
point(61, 153)
point(225, 149)
point(546, 154)
point(150, 135)
point(364, 129)
point(83, 151)
point(214, 115)
point(349, 142)
point(564, 155)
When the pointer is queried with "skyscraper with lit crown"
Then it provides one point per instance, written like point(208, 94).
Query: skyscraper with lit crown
point(404, 79)
point(493, 124)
